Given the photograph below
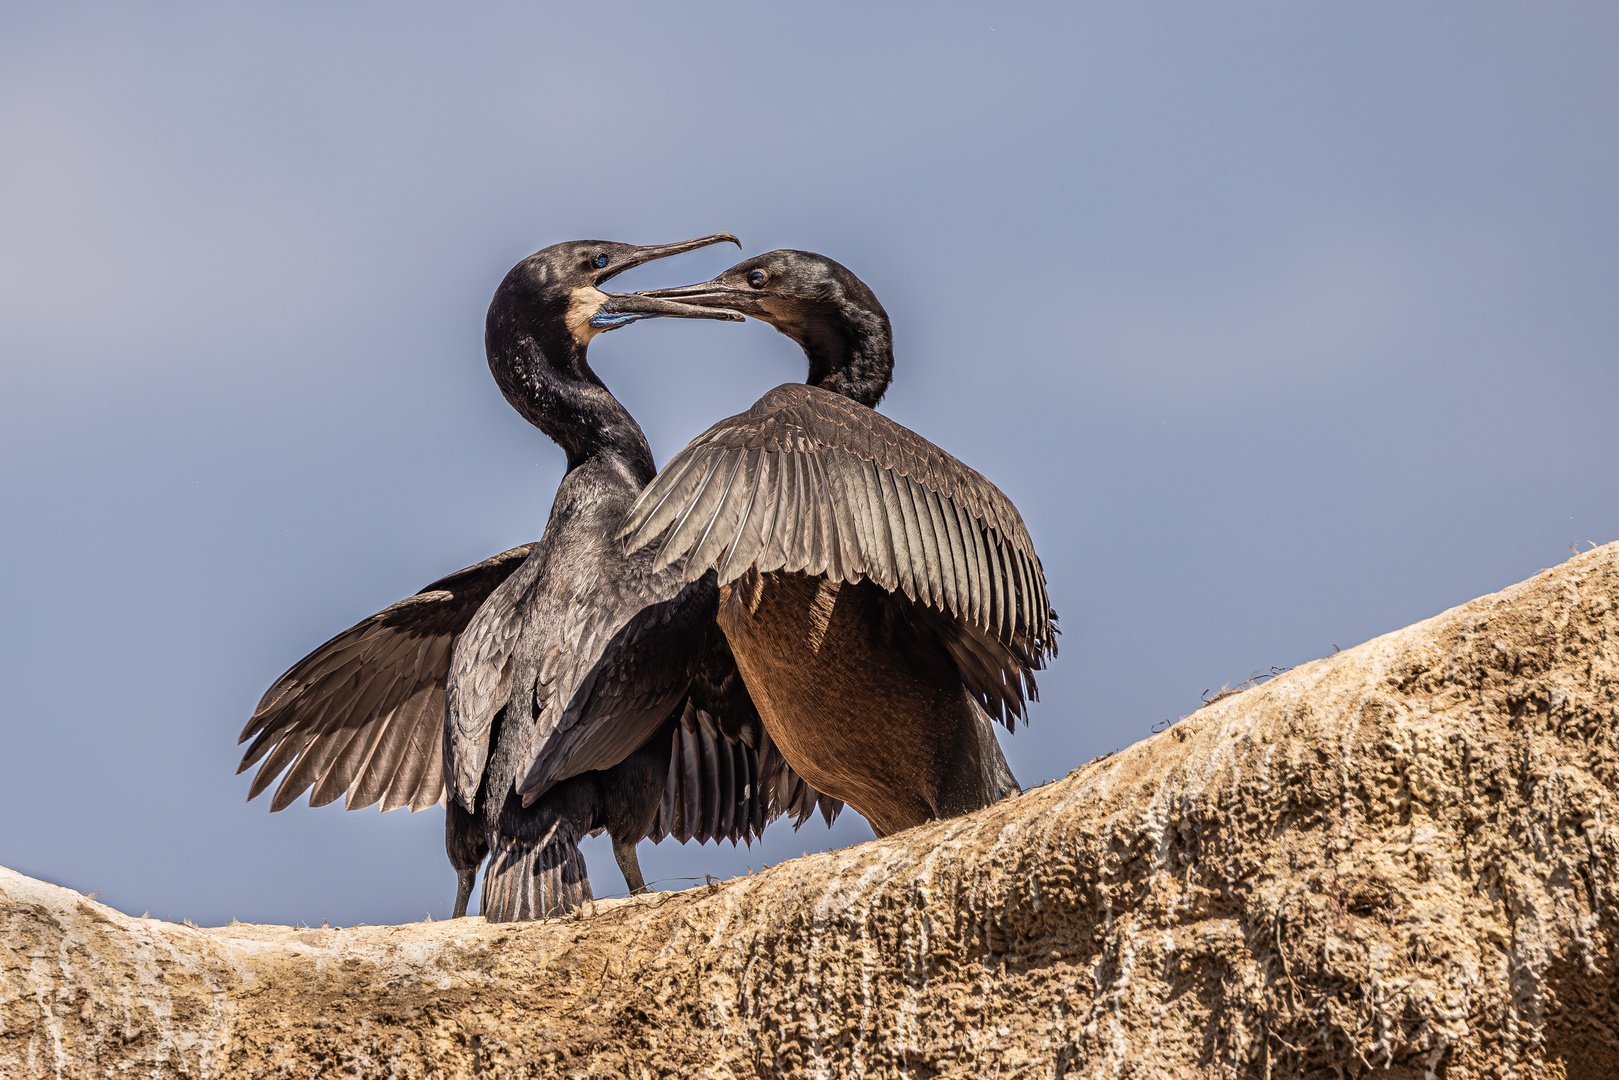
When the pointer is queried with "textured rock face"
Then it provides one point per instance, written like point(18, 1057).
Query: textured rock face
point(1397, 861)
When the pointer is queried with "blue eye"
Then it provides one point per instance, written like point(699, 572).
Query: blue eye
point(600, 261)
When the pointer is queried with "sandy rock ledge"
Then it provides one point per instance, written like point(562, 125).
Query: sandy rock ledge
point(1397, 861)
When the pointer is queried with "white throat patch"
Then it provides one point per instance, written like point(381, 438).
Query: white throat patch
point(584, 303)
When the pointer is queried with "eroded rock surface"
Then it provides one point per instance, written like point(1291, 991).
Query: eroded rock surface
point(1398, 861)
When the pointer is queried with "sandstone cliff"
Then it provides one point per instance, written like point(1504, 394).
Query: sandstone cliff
point(1396, 861)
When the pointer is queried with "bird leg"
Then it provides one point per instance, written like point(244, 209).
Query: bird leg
point(466, 845)
point(463, 889)
point(624, 852)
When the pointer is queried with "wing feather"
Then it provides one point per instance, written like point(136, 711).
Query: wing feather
point(691, 781)
point(749, 540)
point(726, 808)
point(342, 744)
point(851, 509)
point(930, 542)
point(746, 816)
point(879, 555)
point(997, 585)
point(348, 764)
point(664, 499)
point(953, 551)
point(1045, 627)
point(947, 556)
point(722, 529)
point(774, 554)
point(407, 762)
point(843, 491)
point(900, 547)
point(430, 788)
point(799, 516)
point(826, 558)
point(285, 753)
point(1026, 592)
point(310, 765)
point(483, 666)
point(711, 782)
point(665, 823)
point(973, 541)
point(401, 760)
point(899, 490)
point(372, 698)
point(689, 524)
point(959, 567)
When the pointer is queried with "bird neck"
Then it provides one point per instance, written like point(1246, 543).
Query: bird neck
point(551, 384)
point(850, 353)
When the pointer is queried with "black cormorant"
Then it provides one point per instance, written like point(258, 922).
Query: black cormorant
point(636, 719)
point(882, 600)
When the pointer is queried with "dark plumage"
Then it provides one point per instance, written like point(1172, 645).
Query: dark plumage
point(629, 714)
point(364, 714)
point(882, 599)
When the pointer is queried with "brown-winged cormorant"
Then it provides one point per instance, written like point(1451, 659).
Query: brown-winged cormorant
point(637, 721)
point(882, 599)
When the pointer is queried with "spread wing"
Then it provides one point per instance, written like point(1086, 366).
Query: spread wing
point(640, 652)
point(594, 648)
point(481, 677)
point(809, 481)
point(363, 714)
point(622, 678)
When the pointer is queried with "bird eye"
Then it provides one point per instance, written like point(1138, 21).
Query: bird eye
point(600, 260)
point(757, 279)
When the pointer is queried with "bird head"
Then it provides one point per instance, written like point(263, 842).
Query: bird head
point(817, 302)
point(559, 289)
point(790, 290)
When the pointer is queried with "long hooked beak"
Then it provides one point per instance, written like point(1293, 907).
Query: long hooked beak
point(714, 294)
point(663, 251)
point(621, 309)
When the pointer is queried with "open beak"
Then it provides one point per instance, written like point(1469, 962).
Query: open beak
point(621, 309)
point(662, 251)
point(715, 294)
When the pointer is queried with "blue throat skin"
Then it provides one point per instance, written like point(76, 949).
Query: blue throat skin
point(613, 322)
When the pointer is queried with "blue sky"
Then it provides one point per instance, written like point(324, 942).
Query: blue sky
point(1285, 325)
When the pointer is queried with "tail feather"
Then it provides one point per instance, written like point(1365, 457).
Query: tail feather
point(525, 881)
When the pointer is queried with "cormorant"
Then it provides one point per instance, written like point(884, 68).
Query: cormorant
point(882, 599)
point(636, 719)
